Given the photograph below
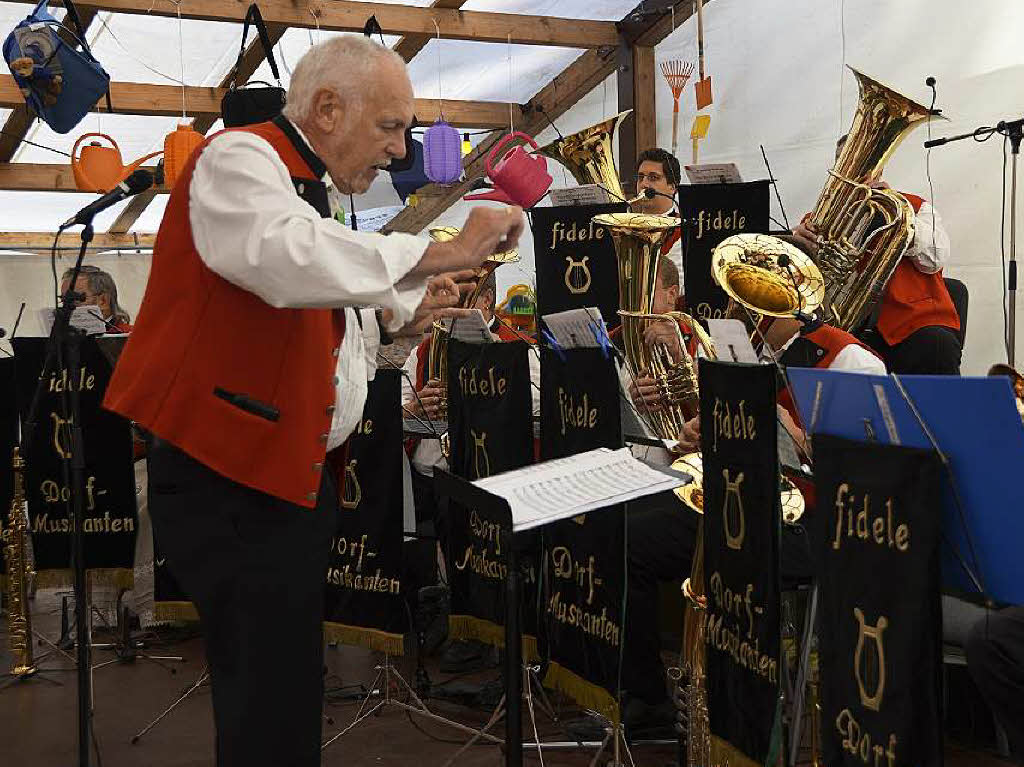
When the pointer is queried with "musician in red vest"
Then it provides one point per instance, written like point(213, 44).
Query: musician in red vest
point(915, 326)
point(248, 363)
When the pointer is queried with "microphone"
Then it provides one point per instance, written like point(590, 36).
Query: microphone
point(650, 194)
point(930, 82)
point(800, 314)
point(139, 181)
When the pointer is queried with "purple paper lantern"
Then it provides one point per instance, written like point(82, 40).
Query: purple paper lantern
point(442, 153)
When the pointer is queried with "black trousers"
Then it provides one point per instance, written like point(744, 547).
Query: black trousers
point(254, 567)
point(995, 659)
point(931, 350)
point(661, 536)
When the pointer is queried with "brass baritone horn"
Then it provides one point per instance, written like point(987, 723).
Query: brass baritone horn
point(437, 359)
point(589, 156)
point(856, 256)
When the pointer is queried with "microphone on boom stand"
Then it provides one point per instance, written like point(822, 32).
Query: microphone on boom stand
point(137, 182)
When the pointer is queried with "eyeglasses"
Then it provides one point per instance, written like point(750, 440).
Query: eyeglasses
point(654, 178)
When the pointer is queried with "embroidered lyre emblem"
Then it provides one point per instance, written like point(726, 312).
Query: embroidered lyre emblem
point(351, 492)
point(480, 451)
point(572, 281)
point(58, 423)
point(733, 519)
point(580, 519)
point(874, 702)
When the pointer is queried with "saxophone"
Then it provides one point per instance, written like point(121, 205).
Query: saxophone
point(19, 618)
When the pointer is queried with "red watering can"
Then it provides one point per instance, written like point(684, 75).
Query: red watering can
point(519, 178)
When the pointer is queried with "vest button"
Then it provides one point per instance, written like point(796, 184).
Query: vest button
point(336, 351)
point(310, 496)
point(302, 188)
point(318, 467)
point(330, 410)
point(336, 380)
point(821, 352)
point(324, 438)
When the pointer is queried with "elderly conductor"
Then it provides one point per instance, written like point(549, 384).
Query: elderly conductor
point(249, 362)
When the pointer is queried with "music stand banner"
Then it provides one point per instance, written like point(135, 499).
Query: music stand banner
point(715, 212)
point(576, 263)
point(365, 601)
point(579, 402)
point(8, 439)
point(110, 514)
point(490, 430)
point(741, 559)
point(875, 538)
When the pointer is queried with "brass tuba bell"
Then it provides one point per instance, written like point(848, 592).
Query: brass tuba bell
point(589, 156)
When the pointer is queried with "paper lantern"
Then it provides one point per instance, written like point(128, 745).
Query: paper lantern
point(179, 145)
point(442, 153)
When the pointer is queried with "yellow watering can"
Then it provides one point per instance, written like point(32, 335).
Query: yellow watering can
point(98, 168)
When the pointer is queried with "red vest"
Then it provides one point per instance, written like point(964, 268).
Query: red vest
point(672, 239)
point(914, 300)
point(197, 333)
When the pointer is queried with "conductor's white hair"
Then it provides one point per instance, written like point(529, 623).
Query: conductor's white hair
point(343, 63)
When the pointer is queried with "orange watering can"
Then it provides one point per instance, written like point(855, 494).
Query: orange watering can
point(98, 168)
point(519, 178)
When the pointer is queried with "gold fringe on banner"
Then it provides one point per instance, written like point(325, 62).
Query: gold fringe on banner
point(373, 639)
point(724, 752)
point(586, 694)
point(117, 577)
point(469, 627)
point(174, 611)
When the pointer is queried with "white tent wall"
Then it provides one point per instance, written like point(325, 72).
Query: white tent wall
point(778, 77)
point(777, 71)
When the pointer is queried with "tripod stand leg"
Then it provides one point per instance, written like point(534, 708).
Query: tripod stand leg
point(496, 717)
point(198, 683)
point(529, 707)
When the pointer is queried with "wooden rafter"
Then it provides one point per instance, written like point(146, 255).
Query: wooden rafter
point(21, 118)
point(44, 240)
point(557, 97)
point(41, 177)
point(165, 100)
point(351, 16)
point(410, 45)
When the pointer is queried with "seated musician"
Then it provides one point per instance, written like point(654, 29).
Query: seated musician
point(425, 454)
point(97, 288)
point(914, 328)
point(659, 171)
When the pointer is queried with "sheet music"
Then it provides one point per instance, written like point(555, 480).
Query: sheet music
point(85, 318)
point(714, 173)
point(732, 343)
point(587, 194)
point(567, 487)
point(471, 329)
point(573, 329)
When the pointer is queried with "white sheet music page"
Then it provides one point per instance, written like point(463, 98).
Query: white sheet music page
point(566, 487)
point(471, 329)
point(732, 344)
point(574, 328)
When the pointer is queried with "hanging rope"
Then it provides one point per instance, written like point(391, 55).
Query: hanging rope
point(511, 127)
point(440, 108)
point(181, 58)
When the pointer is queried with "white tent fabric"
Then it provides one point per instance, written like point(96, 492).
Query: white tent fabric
point(777, 67)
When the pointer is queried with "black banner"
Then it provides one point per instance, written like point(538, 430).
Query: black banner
point(875, 538)
point(109, 493)
point(365, 599)
point(576, 264)
point(579, 402)
point(741, 558)
point(8, 439)
point(490, 428)
point(716, 211)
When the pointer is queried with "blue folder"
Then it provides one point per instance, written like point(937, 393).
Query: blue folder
point(975, 423)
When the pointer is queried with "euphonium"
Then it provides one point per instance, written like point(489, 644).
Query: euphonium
point(19, 615)
point(856, 256)
point(589, 156)
point(437, 359)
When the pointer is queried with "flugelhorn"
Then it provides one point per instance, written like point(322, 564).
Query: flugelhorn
point(589, 156)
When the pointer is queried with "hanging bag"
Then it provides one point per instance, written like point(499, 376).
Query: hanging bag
point(257, 101)
point(60, 83)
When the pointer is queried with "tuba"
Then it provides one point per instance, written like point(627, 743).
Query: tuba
point(19, 616)
point(857, 255)
point(437, 359)
point(589, 156)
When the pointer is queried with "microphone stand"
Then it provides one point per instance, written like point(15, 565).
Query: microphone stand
point(1014, 130)
point(64, 348)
